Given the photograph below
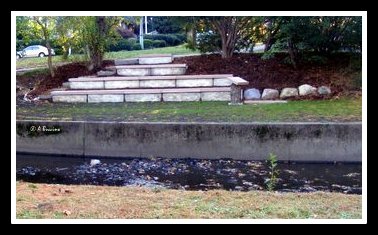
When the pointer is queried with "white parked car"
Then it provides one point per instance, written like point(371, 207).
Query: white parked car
point(19, 54)
point(36, 51)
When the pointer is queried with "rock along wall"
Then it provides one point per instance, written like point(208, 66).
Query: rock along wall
point(248, 141)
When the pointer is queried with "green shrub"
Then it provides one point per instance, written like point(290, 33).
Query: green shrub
point(122, 45)
point(158, 43)
point(170, 39)
point(136, 47)
point(181, 37)
point(209, 42)
point(147, 43)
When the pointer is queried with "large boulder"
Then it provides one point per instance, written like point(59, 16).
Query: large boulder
point(252, 94)
point(288, 92)
point(307, 90)
point(270, 94)
point(324, 90)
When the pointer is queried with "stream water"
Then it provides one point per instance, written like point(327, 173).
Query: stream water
point(189, 174)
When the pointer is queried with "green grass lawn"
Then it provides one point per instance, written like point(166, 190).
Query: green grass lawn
point(43, 201)
point(57, 60)
point(344, 109)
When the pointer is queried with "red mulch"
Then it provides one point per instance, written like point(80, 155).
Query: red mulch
point(62, 74)
point(274, 73)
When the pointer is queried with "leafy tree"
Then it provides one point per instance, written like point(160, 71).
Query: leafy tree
point(68, 35)
point(321, 34)
point(164, 24)
point(234, 31)
point(96, 31)
point(44, 27)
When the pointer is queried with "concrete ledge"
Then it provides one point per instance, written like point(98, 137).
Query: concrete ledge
point(315, 142)
point(131, 61)
point(157, 83)
point(133, 71)
point(265, 101)
point(150, 70)
point(222, 82)
point(105, 98)
point(143, 97)
point(70, 98)
point(121, 84)
point(179, 97)
point(155, 55)
point(167, 71)
point(140, 91)
point(194, 83)
point(220, 77)
point(87, 85)
point(215, 96)
point(238, 81)
point(155, 60)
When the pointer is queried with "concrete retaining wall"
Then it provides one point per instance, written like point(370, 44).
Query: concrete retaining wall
point(249, 141)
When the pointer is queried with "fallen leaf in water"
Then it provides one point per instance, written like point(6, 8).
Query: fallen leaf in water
point(67, 212)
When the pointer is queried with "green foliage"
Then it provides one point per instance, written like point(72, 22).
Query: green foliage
point(277, 47)
point(122, 45)
point(96, 32)
point(272, 163)
point(147, 43)
point(234, 32)
point(136, 47)
point(158, 43)
point(324, 34)
point(164, 24)
point(170, 39)
point(181, 37)
point(131, 44)
point(209, 42)
point(315, 59)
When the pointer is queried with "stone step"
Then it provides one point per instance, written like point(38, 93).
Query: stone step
point(155, 59)
point(216, 80)
point(149, 70)
point(146, 59)
point(130, 61)
point(143, 95)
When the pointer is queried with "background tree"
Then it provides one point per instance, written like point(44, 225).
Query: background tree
point(44, 27)
point(164, 24)
point(235, 32)
point(68, 28)
point(96, 31)
point(321, 35)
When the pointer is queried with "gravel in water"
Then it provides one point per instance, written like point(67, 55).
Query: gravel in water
point(190, 174)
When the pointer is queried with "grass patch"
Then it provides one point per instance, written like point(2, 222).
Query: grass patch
point(36, 72)
point(92, 202)
point(345, 109)
point(58, 60)
point(177, 50)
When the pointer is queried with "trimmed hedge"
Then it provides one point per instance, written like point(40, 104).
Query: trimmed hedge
point(170, 39)
point(130, 45)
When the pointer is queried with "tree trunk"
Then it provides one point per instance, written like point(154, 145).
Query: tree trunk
point(49, 59)
point(97, 49)
point(191, 37)
point(269, 43)
point(227, 28)
point(292, 53)
point(228, 47)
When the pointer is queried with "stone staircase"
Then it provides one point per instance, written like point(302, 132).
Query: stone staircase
point(150, 78)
